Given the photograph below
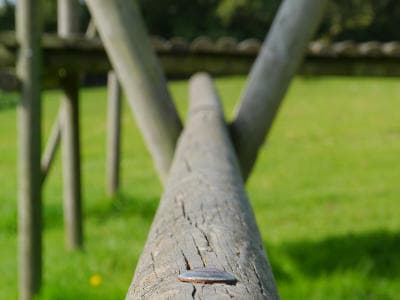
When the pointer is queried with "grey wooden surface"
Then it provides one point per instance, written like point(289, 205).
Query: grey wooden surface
point(51, 147)
point(68, 25)
point(123, 33)
point(204, 217)
point(70, 152)
point(270, 76)
point(113, 134)
point(28, 26)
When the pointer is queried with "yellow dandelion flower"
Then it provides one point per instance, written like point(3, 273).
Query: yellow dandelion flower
point(95, 280)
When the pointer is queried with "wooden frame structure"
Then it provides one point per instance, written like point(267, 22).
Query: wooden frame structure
point(204, 219)
point(180, 59)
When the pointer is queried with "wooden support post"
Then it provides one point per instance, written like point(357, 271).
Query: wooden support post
point(55, 135)
point(122, 30)
point(204, 218)
point(68, 25)
point(28, 26)
point(114, 134)
point(270, 76)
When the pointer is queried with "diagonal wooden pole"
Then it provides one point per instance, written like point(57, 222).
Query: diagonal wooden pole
point(28, 25)
point(270, 76)
point(123, 33)
point(51, 147)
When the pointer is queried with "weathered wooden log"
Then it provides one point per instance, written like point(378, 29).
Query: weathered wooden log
point(28, 26)
point(249, 46)
point(179, 44)
point(345, 49)
point(204, 218)
point(391, 49)
point(51, 147)
point(68, 26)
point(122, 30)
point(114, 134)
point(270, 76)
point(226, 44)
point(371, 49)
point(320, 48)
point(202, 44)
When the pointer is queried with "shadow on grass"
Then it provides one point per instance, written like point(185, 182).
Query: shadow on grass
point(8, 100)
point(121, 206)
point(374, 254)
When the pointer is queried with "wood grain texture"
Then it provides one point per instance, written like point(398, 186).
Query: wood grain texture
point(204, 217)
point(28, 26)
point(114, 134)
point(123, 33)
point(68, 25)
point(270, 76)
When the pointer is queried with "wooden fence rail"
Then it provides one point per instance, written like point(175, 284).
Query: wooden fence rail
point(83, 55)
point(204, 218)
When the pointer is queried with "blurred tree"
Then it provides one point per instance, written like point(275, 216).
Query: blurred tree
point(247, 18)
point(186, 18)
point(358, 20)
point(7, 15)
point(362, 20)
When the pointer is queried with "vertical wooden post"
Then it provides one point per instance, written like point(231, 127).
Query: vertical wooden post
point(28, 25)
point(114, 133)
point(68, 25)
point(270, 76)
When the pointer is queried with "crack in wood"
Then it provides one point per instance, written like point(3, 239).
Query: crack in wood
point(259, 280)
point(153, 264)
point(194, 291)
point(188, 267)
point(198, 252)
point(187, 164)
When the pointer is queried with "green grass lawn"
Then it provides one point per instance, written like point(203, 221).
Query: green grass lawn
point(325, 192)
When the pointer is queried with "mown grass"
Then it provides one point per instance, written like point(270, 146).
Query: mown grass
point(325, 192)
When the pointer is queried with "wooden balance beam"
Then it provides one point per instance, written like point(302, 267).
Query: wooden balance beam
point(204, 218)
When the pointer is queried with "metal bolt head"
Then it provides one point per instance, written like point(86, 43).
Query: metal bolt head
point(207, 276)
